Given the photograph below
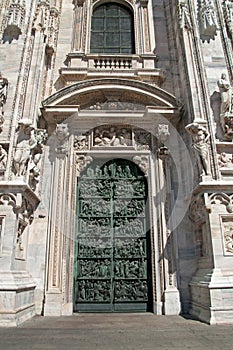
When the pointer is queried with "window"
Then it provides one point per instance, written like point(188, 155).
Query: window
point(112, 30)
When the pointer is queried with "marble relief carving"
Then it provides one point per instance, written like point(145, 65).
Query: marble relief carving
point(225, 160)
point(113, 136)
point(227, 231)
point(117, 136)
point(81, 142)
point(62, 135)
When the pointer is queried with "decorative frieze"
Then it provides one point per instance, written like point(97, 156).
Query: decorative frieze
point(3, 97)
point(113, 136)
point(200, 145)
point(207, 20)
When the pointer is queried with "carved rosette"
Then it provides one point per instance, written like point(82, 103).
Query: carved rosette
point(207, 20)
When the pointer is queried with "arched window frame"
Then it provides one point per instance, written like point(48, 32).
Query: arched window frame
point(123, 12)
point(144, 31)
point(128, 4)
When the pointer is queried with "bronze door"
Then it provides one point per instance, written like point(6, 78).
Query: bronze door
point(112, 265)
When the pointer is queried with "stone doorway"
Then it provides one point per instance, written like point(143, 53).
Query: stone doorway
point(112, 251)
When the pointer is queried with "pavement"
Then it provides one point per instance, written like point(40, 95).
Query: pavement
point(116, 332)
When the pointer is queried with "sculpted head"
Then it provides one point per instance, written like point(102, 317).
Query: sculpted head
point(62, 131)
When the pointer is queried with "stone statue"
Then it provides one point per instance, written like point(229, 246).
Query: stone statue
point(3, 97)
point(3, 159)
point(200, 138)
point(226, 94)
point(26, 142)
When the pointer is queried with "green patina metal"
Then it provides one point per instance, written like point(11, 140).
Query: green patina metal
point(112, 261)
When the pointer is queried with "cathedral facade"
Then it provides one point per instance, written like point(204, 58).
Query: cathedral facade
point(116, 158)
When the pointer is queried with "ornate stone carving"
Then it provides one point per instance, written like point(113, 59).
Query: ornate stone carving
point(200, 138)
point(62, 135)
point(207, 20)
point(82, 162)
point(228, 235)
point(34, 169)
point(222, 198)
point(226, 109)
point(26, 142)
point(52, 31)
point(142, 139)
point(117, 105)
point(3, 97)
point(142, 162)
point(19, 242)
point(9, 199)
point(228, 14)
point(225, 160)
point(42, 15)
point(163, 152)
point(112, 136)
point(163, 133)
point(15, 19)
point(184, 15)
point(197, 210)
point(81, 142)
point(3, 159)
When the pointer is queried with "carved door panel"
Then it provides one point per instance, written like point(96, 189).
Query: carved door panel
point(112, 261)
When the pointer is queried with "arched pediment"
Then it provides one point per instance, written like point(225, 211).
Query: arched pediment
point(111, 95)
point(88, 93)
